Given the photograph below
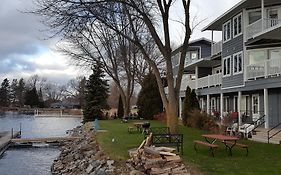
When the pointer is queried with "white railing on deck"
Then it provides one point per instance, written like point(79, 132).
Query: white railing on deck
point(263, 69)
point(216, 48)
point(208, 81)
point(260, 25)
point(254, 28)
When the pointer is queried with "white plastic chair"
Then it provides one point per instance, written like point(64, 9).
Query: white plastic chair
point(246, 129)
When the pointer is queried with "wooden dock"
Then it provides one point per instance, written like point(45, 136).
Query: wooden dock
point(41, 140)
point(5, 140)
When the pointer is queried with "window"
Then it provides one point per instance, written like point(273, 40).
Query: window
point(254, 16)
point(237, 63)
point(256, 56)
point(226, 66)
point(235, 105)
point(255, 104)
point(194, 55)
point(237, 25)
point(226, 31)
point(272, 15)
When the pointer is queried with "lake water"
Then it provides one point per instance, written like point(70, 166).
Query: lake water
point(33, 161)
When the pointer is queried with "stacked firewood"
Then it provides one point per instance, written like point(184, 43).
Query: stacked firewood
point(153, 160)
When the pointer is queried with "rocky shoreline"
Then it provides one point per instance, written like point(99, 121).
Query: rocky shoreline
point(84, 156)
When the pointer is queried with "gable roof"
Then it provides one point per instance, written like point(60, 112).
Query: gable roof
point(216, 25)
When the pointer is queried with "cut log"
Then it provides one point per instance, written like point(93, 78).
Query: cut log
point(141, 145)
point(151, 150)
point(167, 153)
point(166, 149)
point(148, 140)
point(173, 159)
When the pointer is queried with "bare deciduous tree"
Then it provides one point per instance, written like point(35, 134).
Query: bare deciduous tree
point(69, 17)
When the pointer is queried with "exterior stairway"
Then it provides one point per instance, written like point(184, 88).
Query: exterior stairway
point(261, 136)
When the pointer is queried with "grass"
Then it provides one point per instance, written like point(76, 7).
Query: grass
point(263, 158)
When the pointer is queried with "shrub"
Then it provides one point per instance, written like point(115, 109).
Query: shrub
point(202, 121)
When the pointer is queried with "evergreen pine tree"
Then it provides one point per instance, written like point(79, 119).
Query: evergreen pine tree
point(96, 93)
point(149, 100)
point(5, 93)
point(120, 110)
point(32, 98)
point(190, 103)
point(14, 86)
point(20, 92)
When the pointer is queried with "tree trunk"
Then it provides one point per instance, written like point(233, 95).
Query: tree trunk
point(172, 117)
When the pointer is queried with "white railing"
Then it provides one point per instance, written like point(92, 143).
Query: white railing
point(263, 69)
point(254, 28)
point(260, 25)
point(186, 81)
point(216, 48)
point(208, 81)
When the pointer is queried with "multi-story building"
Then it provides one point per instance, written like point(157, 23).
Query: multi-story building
point(241, 74)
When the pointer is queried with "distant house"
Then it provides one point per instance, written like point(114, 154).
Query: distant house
point(65, 105)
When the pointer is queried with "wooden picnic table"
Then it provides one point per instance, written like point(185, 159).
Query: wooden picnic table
point(138, 125)
point(229, 141)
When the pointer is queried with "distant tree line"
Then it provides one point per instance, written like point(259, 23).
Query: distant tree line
point(38, 92)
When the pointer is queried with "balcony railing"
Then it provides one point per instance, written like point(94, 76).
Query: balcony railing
point(217, 48)
point(263, 69)
point(208, 81)
point(261, 25)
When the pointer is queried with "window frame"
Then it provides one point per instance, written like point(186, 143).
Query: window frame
point(237, 63)
point(223, 31)
point(237, 27)
point(223, 68)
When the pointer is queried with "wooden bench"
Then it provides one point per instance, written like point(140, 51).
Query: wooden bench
point(168, 140)
point(239, 145)
point(211, 146)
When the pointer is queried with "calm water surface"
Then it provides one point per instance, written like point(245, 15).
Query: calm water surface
point(33, 161)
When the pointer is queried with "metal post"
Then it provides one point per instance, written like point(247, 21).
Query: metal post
point(221, 105)
point(262, 14)
point(12, 133)
point(208, 104)
point(20, 129)
point(239, 108)
point(265, 96)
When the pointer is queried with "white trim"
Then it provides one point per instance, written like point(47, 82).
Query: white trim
point(237, 54)
point(237, 17)
point(232, 87)
point(230, 33)
point(225, 58)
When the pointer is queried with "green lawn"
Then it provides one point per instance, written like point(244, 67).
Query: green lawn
point(262, 159)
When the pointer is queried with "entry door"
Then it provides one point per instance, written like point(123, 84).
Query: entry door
point(256, 107)
point(245, 105)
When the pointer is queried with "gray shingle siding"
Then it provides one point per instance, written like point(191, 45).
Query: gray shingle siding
point(233, 81)
point(229, 48)
point(205, 50)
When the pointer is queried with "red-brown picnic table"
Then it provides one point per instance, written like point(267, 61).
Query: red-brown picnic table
point(229, 141)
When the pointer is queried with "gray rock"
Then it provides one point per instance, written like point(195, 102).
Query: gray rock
point(136, 172)
point(89, 169)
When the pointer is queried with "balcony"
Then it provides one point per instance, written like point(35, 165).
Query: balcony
point(204, 82)
point(260, 26)
point(271, 67)
point(216, 48)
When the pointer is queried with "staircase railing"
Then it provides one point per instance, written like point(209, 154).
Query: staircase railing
point(274, 134)
point(260, 121)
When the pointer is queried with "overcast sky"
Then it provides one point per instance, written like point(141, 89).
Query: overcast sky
point(24, 52)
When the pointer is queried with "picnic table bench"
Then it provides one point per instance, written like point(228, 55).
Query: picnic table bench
point(239, 145)
point(210, 145)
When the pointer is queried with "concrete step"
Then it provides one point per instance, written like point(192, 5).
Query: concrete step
point(264, 140)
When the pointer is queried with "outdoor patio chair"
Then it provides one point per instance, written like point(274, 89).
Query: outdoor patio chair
point(246, 130)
